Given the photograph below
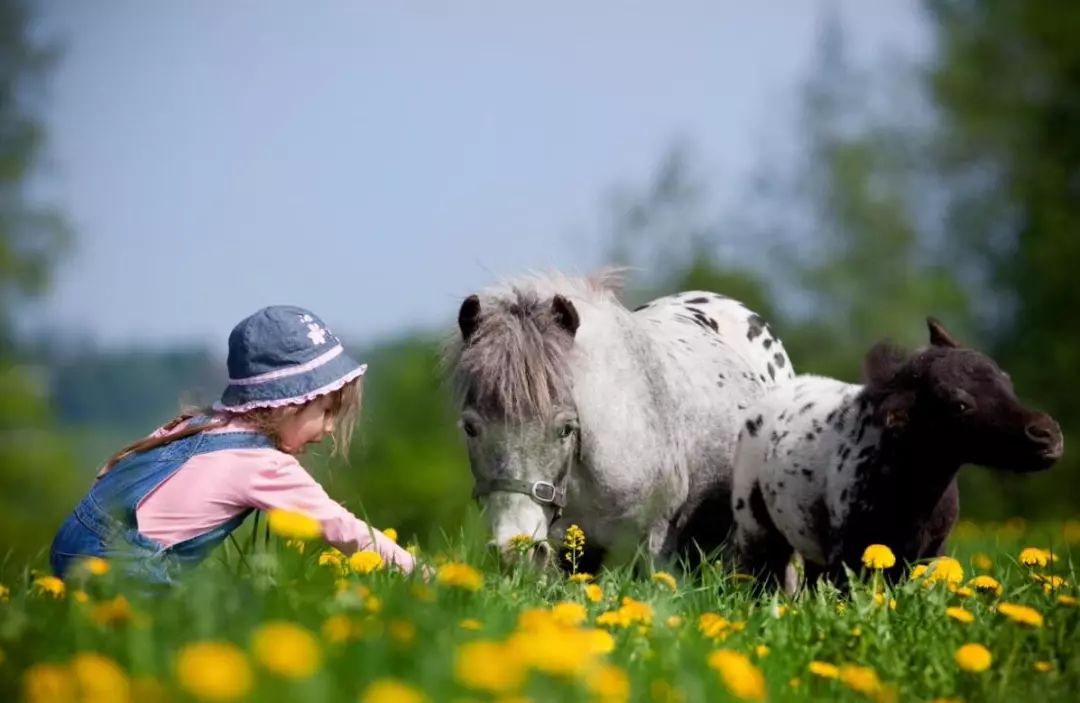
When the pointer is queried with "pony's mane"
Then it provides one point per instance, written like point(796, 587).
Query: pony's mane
point(517, 361)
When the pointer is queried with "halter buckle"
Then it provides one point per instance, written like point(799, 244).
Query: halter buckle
point(543, 492)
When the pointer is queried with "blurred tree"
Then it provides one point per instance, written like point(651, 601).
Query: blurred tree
point(34, 466)
point(1006, 82)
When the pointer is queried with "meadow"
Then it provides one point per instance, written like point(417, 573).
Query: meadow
point(283, 617)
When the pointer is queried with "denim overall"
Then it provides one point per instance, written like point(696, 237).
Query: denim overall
point(104, 524)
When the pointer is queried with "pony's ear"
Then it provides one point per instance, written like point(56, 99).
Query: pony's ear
point(895, 411)
point(881, 364)
point(469, 317)
point(939, 336)
point(566, 314)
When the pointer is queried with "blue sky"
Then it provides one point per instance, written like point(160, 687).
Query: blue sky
point(377, 161)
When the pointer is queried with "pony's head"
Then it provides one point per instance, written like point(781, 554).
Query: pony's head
point(960, 403)
point(513, 380)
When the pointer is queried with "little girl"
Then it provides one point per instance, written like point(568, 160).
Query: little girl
point(165, 501)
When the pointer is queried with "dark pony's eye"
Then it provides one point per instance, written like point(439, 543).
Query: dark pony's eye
point(566, 430)
point(962, 406)
point(470, 429)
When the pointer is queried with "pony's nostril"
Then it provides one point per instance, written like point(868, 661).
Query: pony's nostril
point(1041, 432)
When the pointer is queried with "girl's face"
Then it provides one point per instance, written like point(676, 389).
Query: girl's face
point(307, 425)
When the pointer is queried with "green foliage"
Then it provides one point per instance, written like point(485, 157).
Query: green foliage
point(1007, 85)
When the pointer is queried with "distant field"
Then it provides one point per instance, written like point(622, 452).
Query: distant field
point(270, 623)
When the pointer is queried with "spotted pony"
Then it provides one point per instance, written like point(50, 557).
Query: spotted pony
point(825, 468)
point(578, 410)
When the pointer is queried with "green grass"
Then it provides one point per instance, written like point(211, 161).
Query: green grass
point(410, 631)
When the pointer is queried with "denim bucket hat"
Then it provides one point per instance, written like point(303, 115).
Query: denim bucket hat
point(283, 355)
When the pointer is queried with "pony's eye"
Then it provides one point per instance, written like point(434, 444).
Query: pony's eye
point(962, 406)
point(566, 430)
point(470, 429)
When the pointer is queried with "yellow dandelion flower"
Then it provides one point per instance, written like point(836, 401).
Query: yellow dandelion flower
point(1021, 614)
point(986, 584)
point(856, 631)
point(5, 593)
point(960, 615)
point(520, 543)
point(674, 621)
point(568, 613)
point(48, 683)
point(713, 625)
point(366, 561)
point(973, 657)
point(982, 562)
point(402, 632)
point(1053, 583)
point(666, 579)
point(489, 666)
point(1043, 666)
point(1035, 557)
point(594, 593)
point(945, 570)
point(779, 611)
point(599, 641)
point(861, 679)
point(738, 674)
point(95, 566)
point(581, 577)
point(637, 611)
point(391, 691)
point(1069, 601)
point(964, 592)
point(612, 618)
point(339, 629)
point(761, 651)
point(391, 534)
point(609, 684)
point(49, 586)
point(824, 670)
point(81, 597)
point(458, 575)
point(286, 649)
point(112, 613)
point(554, 650)
point(99, 678)
point(918, 571)
point(333, 558)
point(213, 671)
point(878, 556)
point(290, 525)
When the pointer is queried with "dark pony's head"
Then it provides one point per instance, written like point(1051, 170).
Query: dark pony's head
point(960, 404)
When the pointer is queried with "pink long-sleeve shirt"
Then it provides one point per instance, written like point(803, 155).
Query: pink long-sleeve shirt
point(209, 489)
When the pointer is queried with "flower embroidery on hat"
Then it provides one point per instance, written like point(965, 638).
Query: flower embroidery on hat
point(316, 334)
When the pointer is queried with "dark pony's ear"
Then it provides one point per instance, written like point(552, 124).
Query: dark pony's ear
point(566, 314)
point(939, 336)
point(895, 411)
point(882, 363)
point(468, 318)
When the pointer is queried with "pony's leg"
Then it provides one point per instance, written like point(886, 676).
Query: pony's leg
point(761, 549)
